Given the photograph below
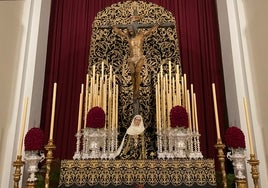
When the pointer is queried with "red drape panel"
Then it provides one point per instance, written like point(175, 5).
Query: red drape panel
point(67, 63)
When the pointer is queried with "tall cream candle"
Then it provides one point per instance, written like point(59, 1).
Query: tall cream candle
point(183, 99)
point(97, 83)
point(110, 102)
point(22, 125)
point(97, 91)
point(105, 94)
point(173, 97)
point(188, 107)
point(80, 108)
point(196, 117)
point(159, 109)
point(161, 71)
point(53, 111)
point(177, 89)
point(114, 105)
point(164, 103)
point(168, 101)
point(86, 98)
point(93, 73)
point(82, 89)
point(116, 108)
point(156, 107)
point(101, 92)
point(177, 69)
point(102, 69)
point(90, 105)
point(248, 126)
point(110, 74)
point(216, 111)
point(105, 99)
point(169, 68)
point(169, 77)
point(157, 96)
point(192, 106)
point(185, 85)
point(80, 112)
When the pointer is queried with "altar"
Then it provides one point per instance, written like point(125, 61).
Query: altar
point(126, 80)
point(128, 173)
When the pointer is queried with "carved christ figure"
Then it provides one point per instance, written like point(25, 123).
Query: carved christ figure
point(135, 38)
point(136, 60)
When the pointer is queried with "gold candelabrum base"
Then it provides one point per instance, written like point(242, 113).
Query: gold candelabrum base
point(221, 157)
point(241, 183)
point(254, 169)
point(17, 164)
point(31, 184)
point(49, 147)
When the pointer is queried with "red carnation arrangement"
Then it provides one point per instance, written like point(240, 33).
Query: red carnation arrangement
point(234, 138)
point(96, 117)
point(178, 117)
point(34, 139)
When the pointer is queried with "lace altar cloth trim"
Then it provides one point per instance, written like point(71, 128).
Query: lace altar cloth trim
point(128, 172)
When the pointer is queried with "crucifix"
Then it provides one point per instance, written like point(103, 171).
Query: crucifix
point(135, 38)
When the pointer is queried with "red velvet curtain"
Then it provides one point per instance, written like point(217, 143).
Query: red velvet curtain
point(67, 64)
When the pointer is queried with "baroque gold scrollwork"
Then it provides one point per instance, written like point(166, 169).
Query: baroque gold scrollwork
point(128, 172)
point(159, 48)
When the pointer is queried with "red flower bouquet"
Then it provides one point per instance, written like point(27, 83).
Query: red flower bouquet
point(34, 139)
point(96, 118)
point(178, 117)
point(234, 138)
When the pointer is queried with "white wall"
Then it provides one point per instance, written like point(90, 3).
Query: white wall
point(25, 43)
point(244, 66)
point(256, 31)
point(11, 37)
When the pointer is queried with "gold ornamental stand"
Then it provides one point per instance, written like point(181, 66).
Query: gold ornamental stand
point(241, 183)
point(31, 184)
point(254, 170)
point(220, 146)
point(49, 147)
point(17, 164)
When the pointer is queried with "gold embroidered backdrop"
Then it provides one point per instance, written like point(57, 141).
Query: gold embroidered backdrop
point(159, 48)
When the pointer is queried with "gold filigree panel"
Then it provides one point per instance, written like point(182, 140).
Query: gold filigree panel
point(159, 48)
point(128, 172)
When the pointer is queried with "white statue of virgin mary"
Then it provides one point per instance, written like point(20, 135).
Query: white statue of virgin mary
point(133, 143)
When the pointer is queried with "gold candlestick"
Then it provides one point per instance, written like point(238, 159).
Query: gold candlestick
point(17, 164)
point(241, 183)
point(49, 147)
point(220, 146)
point(31, 184)
point(254, 170)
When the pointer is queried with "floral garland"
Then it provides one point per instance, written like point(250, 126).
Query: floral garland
point(34, 139)
point(178, 117)
point(234, 138)
point(96, 118)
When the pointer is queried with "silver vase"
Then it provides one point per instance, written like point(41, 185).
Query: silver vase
point(237, 156)
point(32, 159)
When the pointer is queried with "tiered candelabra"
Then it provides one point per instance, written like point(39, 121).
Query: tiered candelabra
point(112, 143)
point(77, 154)
point(171, 91)
point(96, 144)
point(164, 148)
point(194, 144)
point(178, 143)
